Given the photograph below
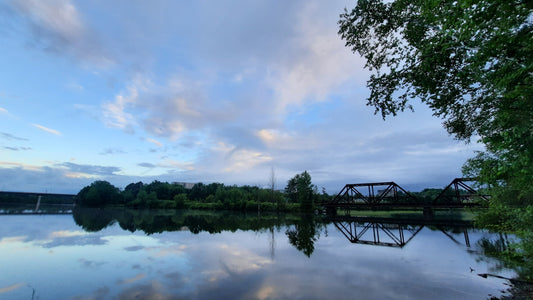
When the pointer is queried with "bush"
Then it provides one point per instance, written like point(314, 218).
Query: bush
point(181, 200)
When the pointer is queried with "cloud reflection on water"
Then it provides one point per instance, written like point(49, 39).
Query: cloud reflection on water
point(238, 265)
point(11, 288)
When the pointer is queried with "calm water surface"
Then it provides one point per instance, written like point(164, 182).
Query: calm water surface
point(99, 254)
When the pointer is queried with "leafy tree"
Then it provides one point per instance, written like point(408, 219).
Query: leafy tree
point(198, 192)
point(163, 190)
point(131, 190)
point(471, 62)
point(146, 199)
point(99, 193)
point(177, 189)
point(301, 190)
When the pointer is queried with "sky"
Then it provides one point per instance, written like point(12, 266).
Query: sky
point(199, 91)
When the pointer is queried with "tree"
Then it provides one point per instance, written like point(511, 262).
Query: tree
point(146, 199)
point(301, 190)
point(163, 190)
point(131, 190)
point(470, 61)
point(99, 193)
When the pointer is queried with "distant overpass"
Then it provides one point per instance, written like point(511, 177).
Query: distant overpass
point(35, 200)
point(5, 193)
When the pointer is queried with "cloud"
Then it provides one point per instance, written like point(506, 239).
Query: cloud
point(134, 248)
point(11, 137)
point(66, 233)
point(317, 65)
point(52, 131)
point(11, 288)
point(56, 26)
point(3, 110)
point(108, 151)
point(21, 166)
point(133, 279)
point(147, 165)
point(242, 159)
point(76, 240)
point(115, 115)
point(90, 169)
point(18, 148)
point(161, 110)
point(13, 239)
point(90, 263)
point(174, 164)
point(231, 94)
point(154, 142)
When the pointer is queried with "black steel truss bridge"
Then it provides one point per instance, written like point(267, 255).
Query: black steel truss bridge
point(388, 195)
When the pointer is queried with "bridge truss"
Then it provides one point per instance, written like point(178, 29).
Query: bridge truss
point(390, 195)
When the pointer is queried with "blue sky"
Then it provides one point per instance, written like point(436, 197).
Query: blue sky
point(199, 91)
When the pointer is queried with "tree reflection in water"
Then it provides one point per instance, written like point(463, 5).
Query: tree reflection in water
point(302, 231)
point(501, 248)
point(304, 234)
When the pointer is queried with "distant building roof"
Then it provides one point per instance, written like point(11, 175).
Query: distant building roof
point(187, 185)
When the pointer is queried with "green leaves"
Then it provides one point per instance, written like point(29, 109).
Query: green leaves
point(301, 190)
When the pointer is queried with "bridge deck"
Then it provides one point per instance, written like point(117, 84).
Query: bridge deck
point(399, 205)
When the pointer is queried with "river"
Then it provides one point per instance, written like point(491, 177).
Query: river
point(128, 254)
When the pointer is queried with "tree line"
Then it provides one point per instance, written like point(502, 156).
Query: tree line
point(300, 194)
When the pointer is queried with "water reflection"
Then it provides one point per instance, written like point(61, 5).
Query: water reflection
point(302, 231)
point(125, 254)
point(395, 232)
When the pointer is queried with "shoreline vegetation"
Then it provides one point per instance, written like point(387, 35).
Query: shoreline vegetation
point(299, 195)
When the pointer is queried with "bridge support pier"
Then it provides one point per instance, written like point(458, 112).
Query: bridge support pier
point(428, 212)
point(331, 211)
point(38, 204)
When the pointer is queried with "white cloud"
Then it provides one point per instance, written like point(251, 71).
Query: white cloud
point(115, 114)
point(6, 164)
point(244, 159)
point(67, 233)
point(154, 142)
point(174, 164)
point(235, 159)
point(317, 64)
point(52, 131)
point(266, 136)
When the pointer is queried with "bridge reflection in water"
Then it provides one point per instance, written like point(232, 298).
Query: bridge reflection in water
point(395, 232)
